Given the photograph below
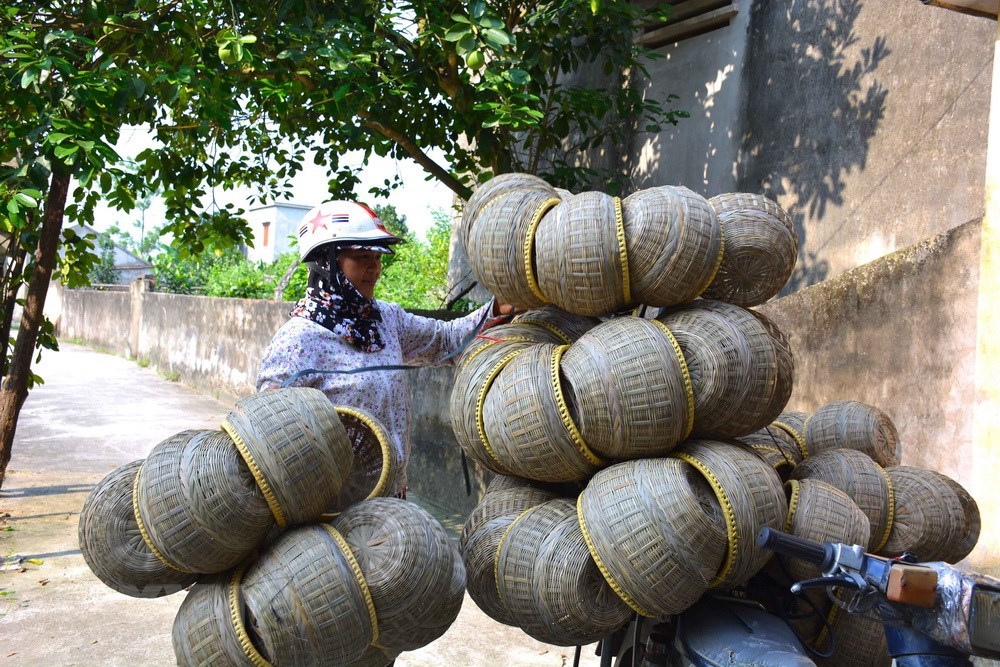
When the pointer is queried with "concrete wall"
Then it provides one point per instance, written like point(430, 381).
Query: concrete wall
point(216, 345)
point(865, 120)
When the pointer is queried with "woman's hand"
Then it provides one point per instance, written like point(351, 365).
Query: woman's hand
point(504, 310)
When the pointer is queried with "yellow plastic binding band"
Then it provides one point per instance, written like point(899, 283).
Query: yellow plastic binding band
point(345, 548)
point(529, 246)
point(718, 263)
point(622, 250)
point(236, 617)
point(605, 572)
point(793, 503)
point(727, 512)
point(892, 509)
point(496, 556)
point(685, 373)
point(567, 419)
point(799, 439)
point(383, 444)
point(142, 527)
point(481, 401)
point(551, 328)
point(258, 474)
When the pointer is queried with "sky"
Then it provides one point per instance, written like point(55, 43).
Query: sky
point(416, 199)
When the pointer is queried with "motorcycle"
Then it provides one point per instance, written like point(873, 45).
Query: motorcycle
point(933, 614)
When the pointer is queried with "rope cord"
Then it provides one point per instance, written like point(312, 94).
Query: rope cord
point(529, 246)
point(793, 503)
point(622, 250)
point(727, 512)
point(605, 572)
point(258, 474)
point(236, 617)
point(567, 418)
point(890, 519)
point(799, 439)
point(383, 444)
point(345, 548)
point(142, 527)
point(685, 373)
point(718, 263)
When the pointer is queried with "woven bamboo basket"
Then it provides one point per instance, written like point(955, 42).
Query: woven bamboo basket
point(751, 495)
point(820, 512)
point(528, 423)
point(501, 245)
point(475, 378)
point(209, 628)
point(580, 256)
point(488, 192)
point(930, 520)
point(549, 582)
point(783, 358)
point(858, 641)
point(375, 463)
point(657, 566)
point(761, 248)
point(733, 361)
point(503, 482)
point(630, 389)
point(566, 326)
point(853, 425)
point(415, 575)
point(863, 480)
point(296, 447)
point(199, 502)
point(973, 521)
point(375, 656)
point(306, 601)
point(674, 244)
point(776, 446)
point(113, 545)
point(481, 537)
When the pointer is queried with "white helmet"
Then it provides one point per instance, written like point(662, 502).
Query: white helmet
point(343, 223)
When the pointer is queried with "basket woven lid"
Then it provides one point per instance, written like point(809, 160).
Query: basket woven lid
point(656, 531)
point(306, 600)
point(210, 626)
point(113, 546)
point(486, 193)
point(375, 464)
point(862, 479)
point(581, 255)
point(740, 372)
point(199, 503)
point(674, 244)
point(933, 518)
point(415, 575)
point(549, 582)
point(296, 448)
point(481, 537)
point(853, 425)
point(760, 252)
point(630, 392)
point(566, 326)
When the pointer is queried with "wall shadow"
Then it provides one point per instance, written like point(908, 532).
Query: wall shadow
point(812, 108)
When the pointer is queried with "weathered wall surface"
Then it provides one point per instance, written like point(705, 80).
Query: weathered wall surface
point(895, 334)
point(216, 345)
point(865, 120)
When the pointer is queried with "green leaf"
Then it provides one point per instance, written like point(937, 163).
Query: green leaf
point(460, 18)
point(477, 8)
point(25, 201)
point(518, 76)
point(466, 44)
point(457, 32)
point(497, 38)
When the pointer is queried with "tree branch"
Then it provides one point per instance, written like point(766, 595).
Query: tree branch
point(415, 152)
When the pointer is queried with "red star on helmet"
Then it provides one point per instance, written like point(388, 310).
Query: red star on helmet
point(318, 221)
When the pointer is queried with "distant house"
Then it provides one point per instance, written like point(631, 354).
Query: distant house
point(127, 265)
point(273, 229)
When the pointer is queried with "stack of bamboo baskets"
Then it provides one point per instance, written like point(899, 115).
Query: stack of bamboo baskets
point(278, 523)
point(638, 454)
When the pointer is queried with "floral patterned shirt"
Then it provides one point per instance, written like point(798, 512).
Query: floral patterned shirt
point(409, 339)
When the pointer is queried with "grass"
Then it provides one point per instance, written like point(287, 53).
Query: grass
point(170, 375)
point(142, 362)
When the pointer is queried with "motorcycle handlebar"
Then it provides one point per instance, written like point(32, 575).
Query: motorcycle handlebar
point(818, 554)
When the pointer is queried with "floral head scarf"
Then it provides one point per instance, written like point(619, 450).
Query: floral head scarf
point(332, 301)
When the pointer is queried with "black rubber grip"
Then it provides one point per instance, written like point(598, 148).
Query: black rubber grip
point(796, 547)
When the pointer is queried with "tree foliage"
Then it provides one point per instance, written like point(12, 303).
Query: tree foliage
point(240, 93)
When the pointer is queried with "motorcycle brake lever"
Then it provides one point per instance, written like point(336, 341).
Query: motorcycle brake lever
point(823, 582)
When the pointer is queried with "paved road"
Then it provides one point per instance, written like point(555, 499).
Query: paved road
point(94, 413)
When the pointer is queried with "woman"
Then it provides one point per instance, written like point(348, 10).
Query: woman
point(339, 325)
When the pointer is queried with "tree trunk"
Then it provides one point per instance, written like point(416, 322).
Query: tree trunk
point(15, 386)
point(279, 289)
point(11, 283)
